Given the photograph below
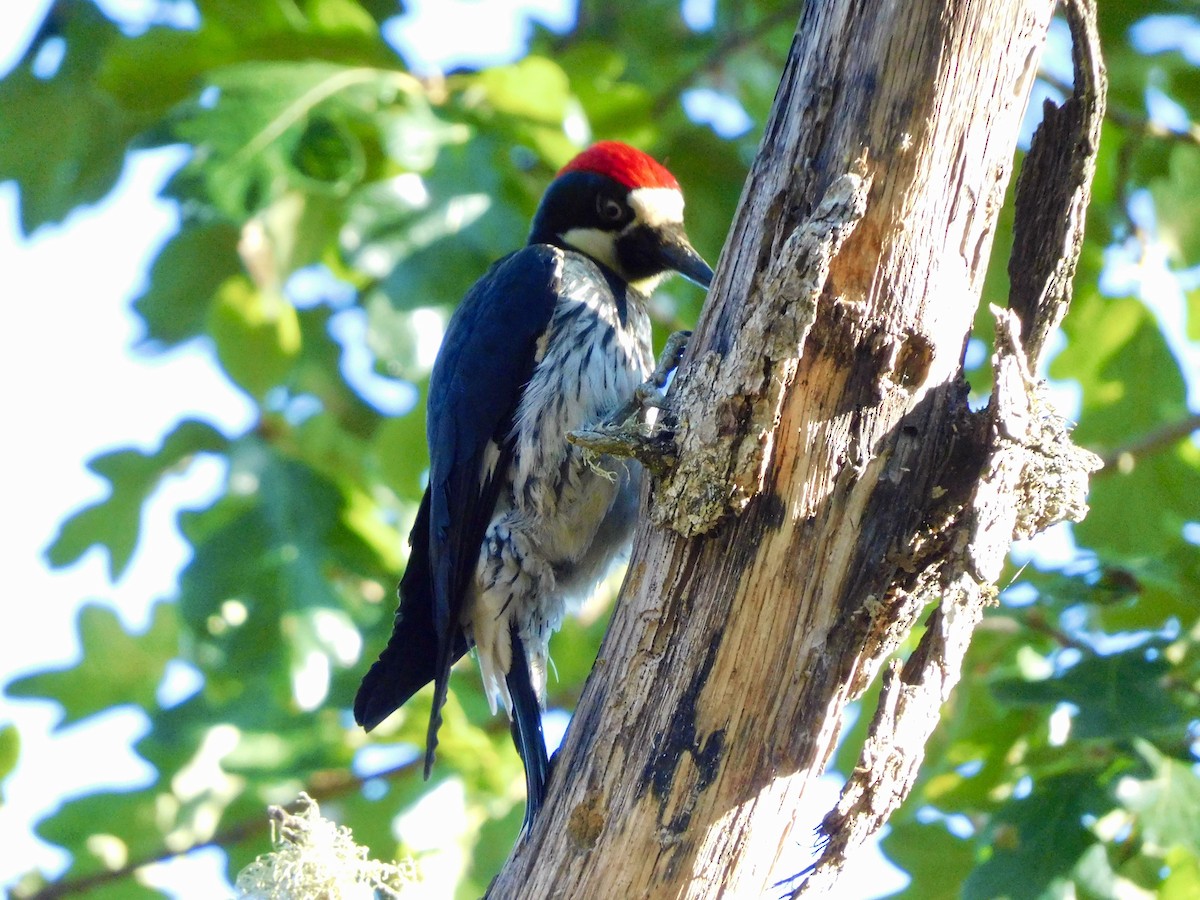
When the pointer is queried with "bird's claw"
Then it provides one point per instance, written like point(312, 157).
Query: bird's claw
point(671, 357)
point(651, 393)
point(625, 432)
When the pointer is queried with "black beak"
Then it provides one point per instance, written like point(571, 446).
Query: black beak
point(677, 254)
point(647, 252)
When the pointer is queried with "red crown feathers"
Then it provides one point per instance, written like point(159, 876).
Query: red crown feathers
point(622, 163)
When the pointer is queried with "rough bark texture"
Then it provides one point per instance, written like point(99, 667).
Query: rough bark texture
point(1031, 476)
point(1054, 189)
point(827, 467)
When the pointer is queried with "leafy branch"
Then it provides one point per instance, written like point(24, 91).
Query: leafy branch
point(327, 788)
point(715, 57)
point(1124, 458)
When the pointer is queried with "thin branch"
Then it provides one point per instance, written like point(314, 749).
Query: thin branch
point(1053, 191)
point(1124, 458)
point(1036, 622)
point(715, 57)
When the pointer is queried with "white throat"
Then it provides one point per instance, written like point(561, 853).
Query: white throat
point(597, 243)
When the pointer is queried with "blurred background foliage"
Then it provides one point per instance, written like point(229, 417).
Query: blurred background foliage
point(329, 181)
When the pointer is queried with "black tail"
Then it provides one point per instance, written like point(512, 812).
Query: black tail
point(409, 662)
point(527, 729)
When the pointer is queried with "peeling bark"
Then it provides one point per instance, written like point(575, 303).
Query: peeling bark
point(829, 477)
point(1033, 476)
point(723, 468)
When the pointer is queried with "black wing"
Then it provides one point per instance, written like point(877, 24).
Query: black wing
point(487, 358)
point(409, 661)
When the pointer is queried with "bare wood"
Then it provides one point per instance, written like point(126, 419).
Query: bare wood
point(825, 460)
point(1031, 475)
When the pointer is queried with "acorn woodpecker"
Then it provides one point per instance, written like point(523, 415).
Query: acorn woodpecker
point(516, 527)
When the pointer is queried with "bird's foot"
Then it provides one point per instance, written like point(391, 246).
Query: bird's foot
point(625, 433)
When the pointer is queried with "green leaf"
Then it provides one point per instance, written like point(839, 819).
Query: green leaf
point(1132, 387)
point(937, 861)
point(384, 231)
point(395, 337)
point(301, 229)
point(1166, 805)
point(413, 135)
point(535, 88)
point(490, 852)
point(269, 586)
point(1148, 592)
point(10, 752)
point(156, 70)
point(340, 16)
point(282, 125)
point(1115, 19)
point(1175, 207)
point(318, 372)
point(1193, 314)
point(617, 109)
point(129, 823)
point(184, 278)
point(1094, 873)
point(61, 139)
point(1036, 841)
point(257, 335)
point(116, 668)
point(318, 638)
point(115, 522)
point(329, 154)
point(1183, 882)
point(430, 250)
point(530, 101)
point(1129, 378)
point(400, 447)
point(368, 522)
point(1119, 695)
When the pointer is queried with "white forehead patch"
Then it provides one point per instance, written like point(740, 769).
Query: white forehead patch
point(657, 206)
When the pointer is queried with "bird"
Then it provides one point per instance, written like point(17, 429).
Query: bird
point(517, 526)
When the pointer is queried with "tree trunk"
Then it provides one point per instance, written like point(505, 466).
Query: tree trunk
point(830, 481)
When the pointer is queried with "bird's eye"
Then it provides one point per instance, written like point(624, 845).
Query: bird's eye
point(610, 210)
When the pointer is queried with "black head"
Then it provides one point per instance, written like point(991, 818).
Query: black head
point(625, 211)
